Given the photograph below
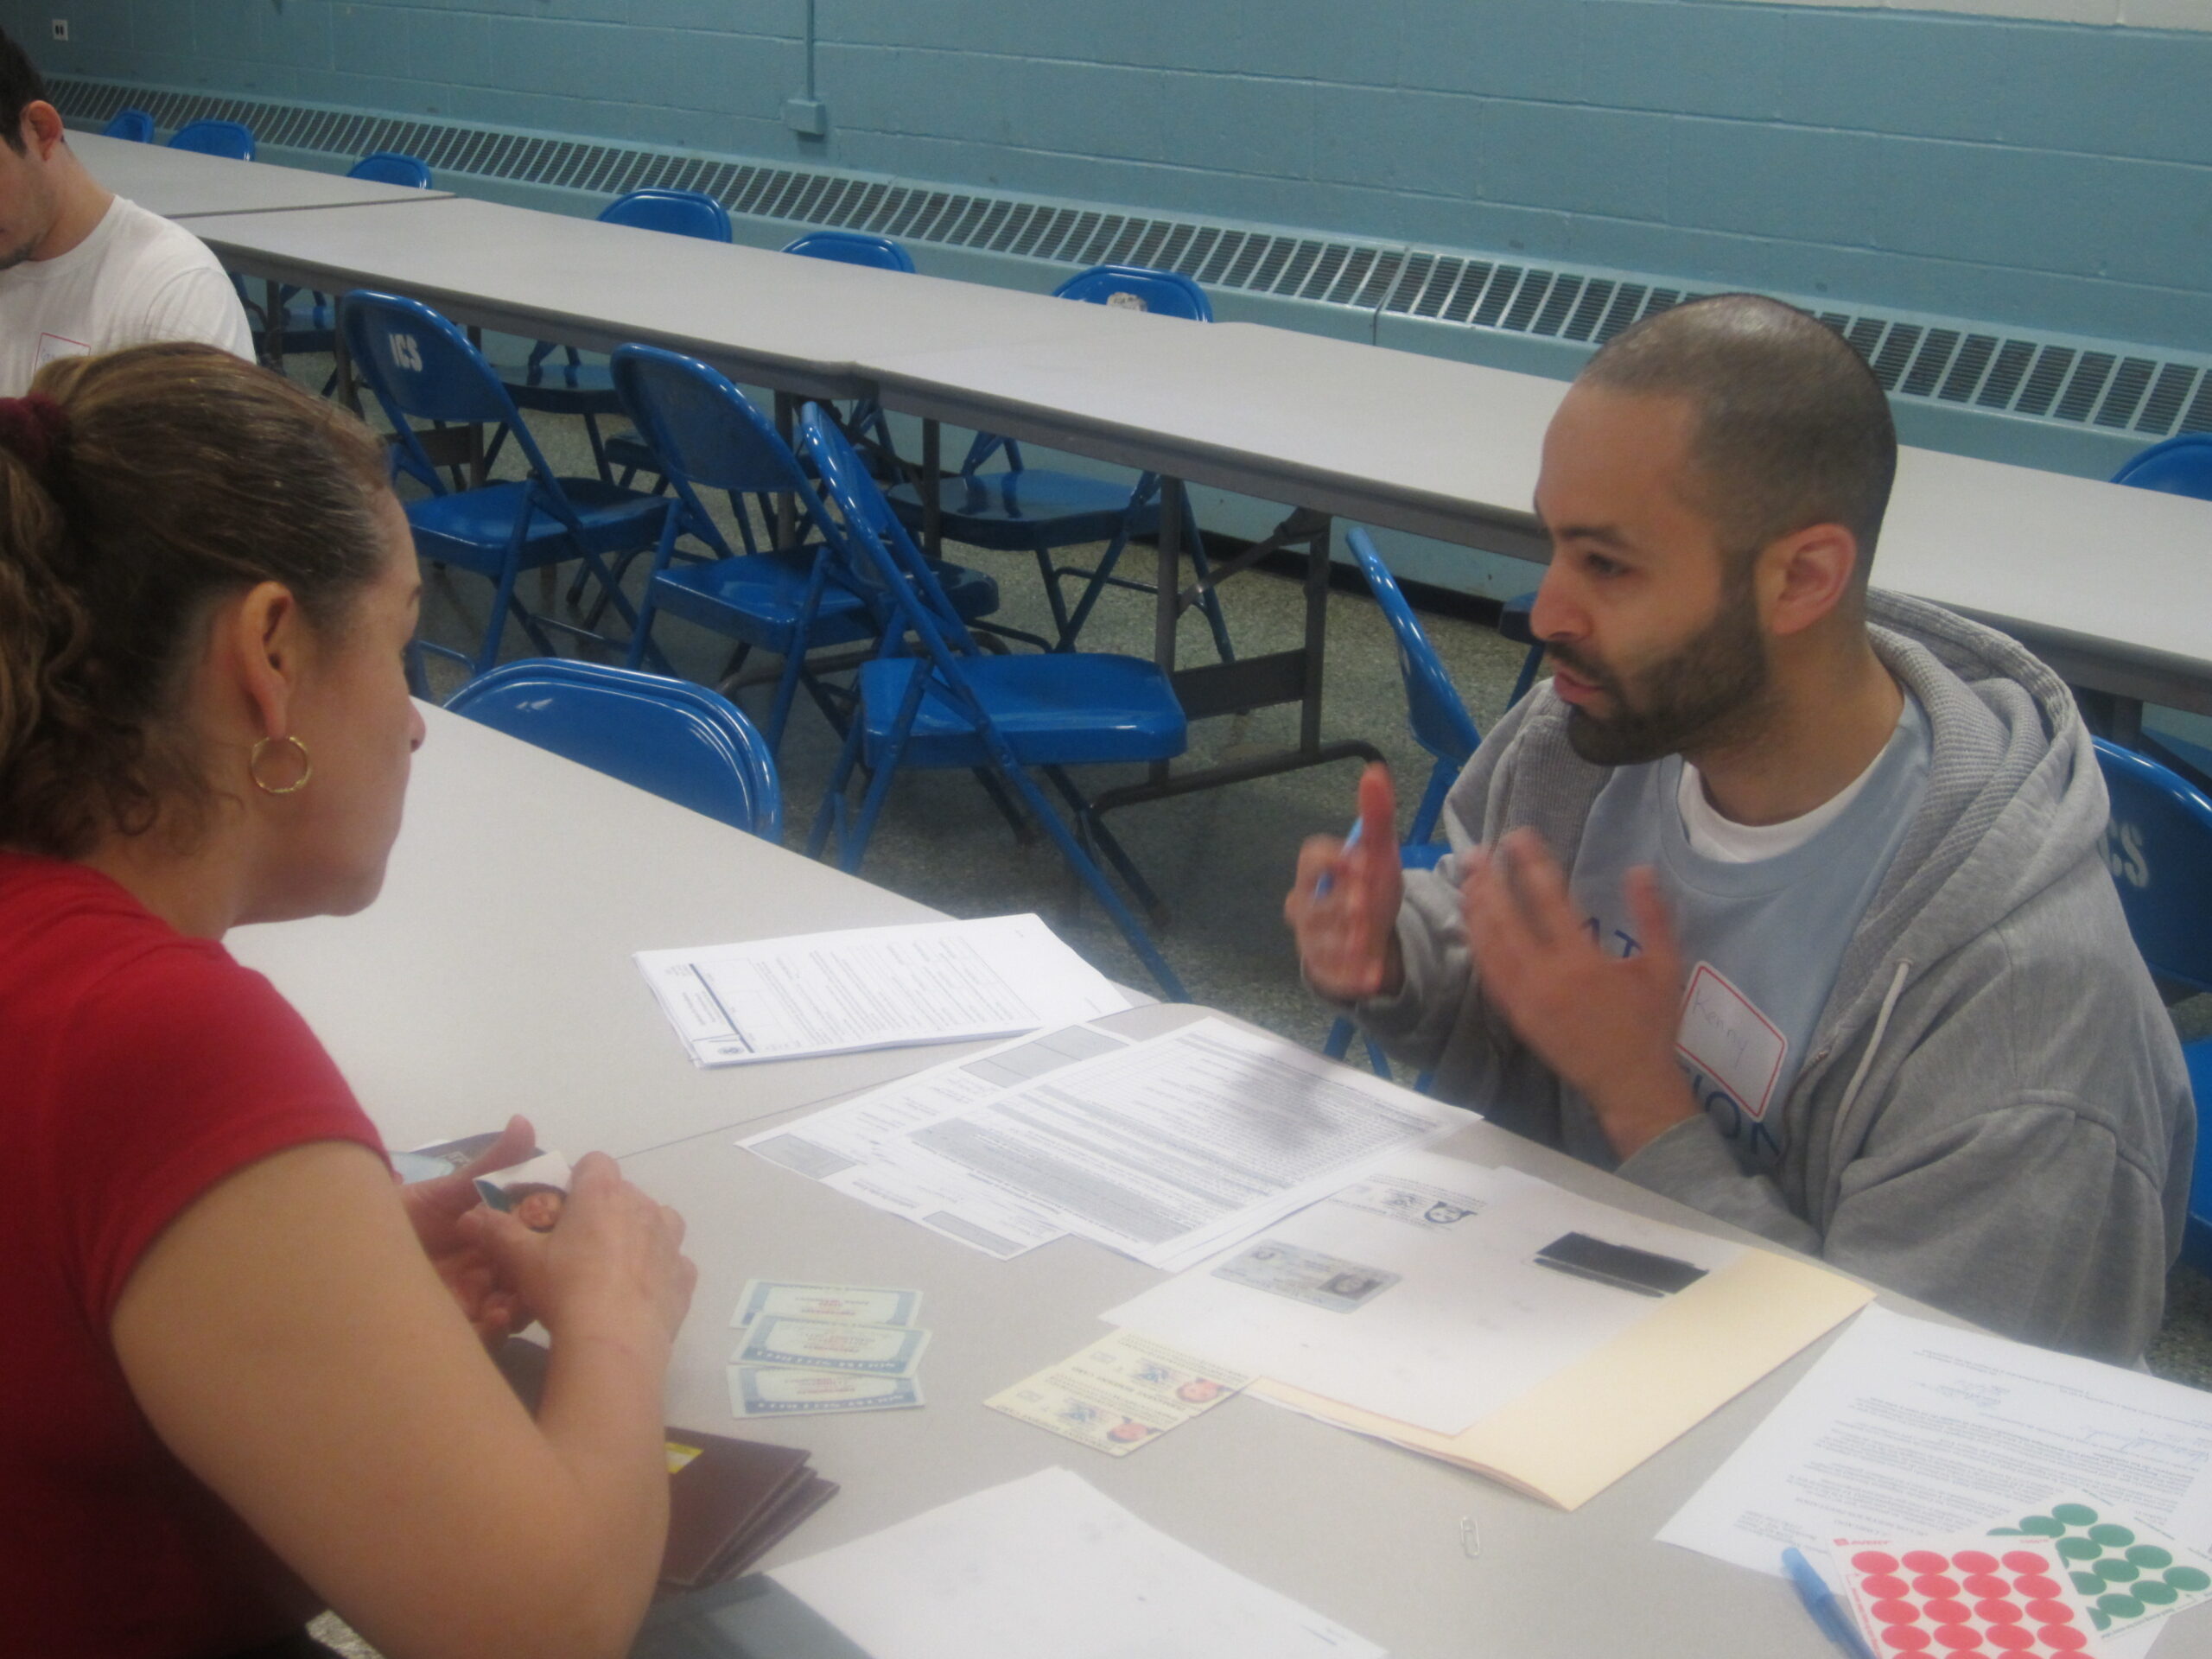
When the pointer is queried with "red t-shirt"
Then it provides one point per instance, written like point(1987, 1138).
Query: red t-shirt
point(137, 1069)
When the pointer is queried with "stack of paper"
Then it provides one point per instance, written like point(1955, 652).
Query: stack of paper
point(1048, 1564)
point(1166, 1149)
point(874, 988)
point(1496, 1321)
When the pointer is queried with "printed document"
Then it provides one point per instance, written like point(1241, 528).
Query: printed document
point(874, 988)
point(1169, 1149)
point(1050, 1565)
point(1907, 1428)
point(1423, 1291)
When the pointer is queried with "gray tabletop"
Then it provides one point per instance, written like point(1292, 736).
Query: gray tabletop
point(183, 184)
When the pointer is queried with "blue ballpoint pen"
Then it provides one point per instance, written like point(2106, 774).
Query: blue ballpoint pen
point(1321, 887)
point(1828, 1612)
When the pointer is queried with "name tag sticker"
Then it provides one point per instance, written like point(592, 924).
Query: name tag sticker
point(51, 346)
point(1725, 1036)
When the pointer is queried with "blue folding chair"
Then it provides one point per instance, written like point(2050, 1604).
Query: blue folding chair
point(1037, 511)
point(2158, 844)
point(671, 737)
point(231, 138)
point(2180, 466)
point(789, 600)
point(315, 327)
point(949, 705)
point(135, 124)
point(1441, 725)
point(419, 367)
point(575, 385)
point(853, 248)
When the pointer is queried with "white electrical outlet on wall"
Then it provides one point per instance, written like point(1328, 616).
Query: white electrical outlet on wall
point(60, 26)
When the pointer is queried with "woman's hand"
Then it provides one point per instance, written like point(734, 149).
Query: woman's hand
point(495, 1305)
point(612, 1265)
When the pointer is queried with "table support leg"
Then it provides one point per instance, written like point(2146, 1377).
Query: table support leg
point(932, 477)
point(786, 525)
point(273, 324)
point(1168, 608)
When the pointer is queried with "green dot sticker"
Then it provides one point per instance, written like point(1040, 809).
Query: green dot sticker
point(2089, 1583)
point(2074, 1514)
point(2100, 1618)
point(2191, 1578)
point(2112, 1537)
point(2041, 1526)
point(2079, 1549)
point(2150, 1555)
point(2120, 1606)
point(2118, 1572)
point(2157, 1592)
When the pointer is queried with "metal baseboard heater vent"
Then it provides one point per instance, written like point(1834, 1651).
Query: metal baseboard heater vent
point(2088, 385)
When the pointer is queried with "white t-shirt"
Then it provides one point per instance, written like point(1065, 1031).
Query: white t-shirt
point(137, 278)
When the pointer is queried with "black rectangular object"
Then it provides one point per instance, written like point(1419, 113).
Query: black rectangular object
point(1644, 1272)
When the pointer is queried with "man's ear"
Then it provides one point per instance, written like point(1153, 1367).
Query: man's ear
point(42, 128)
point(1806, 575)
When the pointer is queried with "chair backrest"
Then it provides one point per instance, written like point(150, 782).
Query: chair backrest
point(2158, 845)
point(852, 248)
point(231, 138)
point(420, 367)
point(704, 431)
point(881, 558)
point(391, 167)
point(1140, 288)
point(2180, 466)
point(137, 125)
point(678, 740)
point(1440, 721)
point(679, 212)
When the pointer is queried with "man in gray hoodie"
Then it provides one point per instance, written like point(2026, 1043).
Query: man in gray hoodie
point(1785, 898)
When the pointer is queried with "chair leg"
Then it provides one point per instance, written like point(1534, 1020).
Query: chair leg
point(1025, 833)
point(1202, 567)
point(502, 602)
point(779, 711)
point(1092, 828)
point(1094, 878)
point(1441, 778)
point(1100, 580)
point(1530, 665)
point(830, 814)
point(1046, 574)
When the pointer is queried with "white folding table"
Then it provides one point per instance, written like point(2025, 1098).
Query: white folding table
point(185, 184)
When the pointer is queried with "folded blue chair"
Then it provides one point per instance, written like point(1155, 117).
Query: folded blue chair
point(419, 367)
point(707, 435)
point(556, 379)
point(2159, 847)
point(231, 138)
point(1441, 725)
point(135, 124)
point(1039, 511)
point(949, 705)
point(675, 739)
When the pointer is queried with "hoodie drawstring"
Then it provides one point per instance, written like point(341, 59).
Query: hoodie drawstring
point(1866, 1060)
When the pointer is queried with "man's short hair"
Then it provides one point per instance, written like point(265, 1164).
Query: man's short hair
point(1792, 430)
point(21, 85)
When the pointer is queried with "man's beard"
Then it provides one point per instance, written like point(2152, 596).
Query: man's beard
point(10, 258)
point(1711, 687)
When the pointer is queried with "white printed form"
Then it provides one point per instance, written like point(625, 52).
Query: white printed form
point(874, 988)
point(1175, 1147)
point(1906, 1428)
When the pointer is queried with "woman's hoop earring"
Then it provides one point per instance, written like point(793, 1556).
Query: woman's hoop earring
point(253, 768)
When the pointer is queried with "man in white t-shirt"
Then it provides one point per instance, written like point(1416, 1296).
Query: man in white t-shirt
point(81, 270)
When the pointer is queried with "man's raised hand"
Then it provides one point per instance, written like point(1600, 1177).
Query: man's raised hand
point(1344, 905)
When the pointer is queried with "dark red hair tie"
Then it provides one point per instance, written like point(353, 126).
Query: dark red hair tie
point(35, 428)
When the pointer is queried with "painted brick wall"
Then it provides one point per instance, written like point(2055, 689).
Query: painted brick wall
point(2047, 174)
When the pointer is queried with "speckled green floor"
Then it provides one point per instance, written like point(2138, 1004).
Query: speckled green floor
point(1220, 860)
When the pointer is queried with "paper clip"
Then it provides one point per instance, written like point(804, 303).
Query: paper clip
point(1471, 1537)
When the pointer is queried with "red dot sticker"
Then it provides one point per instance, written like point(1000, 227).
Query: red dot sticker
point(1926, 1561)
point(1957, 1637)
point(1873, 1560)
point(1988, 1584)
point(1880, 1585)
point(2065, 1637)
point(1905, 1638)
point(2028, 1560)
point(1936, 1583)
point(2050, 1612)
point(1974, 1561)
point(1997, 1612)
point(1897, 1613)
point(2034, 1586)
point(1943, 1611)
point(2009, 1637)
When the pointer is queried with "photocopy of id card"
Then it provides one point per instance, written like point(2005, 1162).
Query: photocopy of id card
point(1416, 1292)
point(832, 1345)
point(769, 1391)
point(853, 1304)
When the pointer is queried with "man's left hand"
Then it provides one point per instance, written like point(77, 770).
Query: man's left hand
point(435, 1207)
point(1605, 1023)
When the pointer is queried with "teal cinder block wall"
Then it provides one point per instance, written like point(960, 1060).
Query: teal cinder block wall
point(2051, 176)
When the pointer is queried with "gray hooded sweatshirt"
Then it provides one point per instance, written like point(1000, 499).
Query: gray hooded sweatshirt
point(1992, 1115)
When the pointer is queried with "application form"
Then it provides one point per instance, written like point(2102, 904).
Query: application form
point(1908, 1428)
point(874, 988)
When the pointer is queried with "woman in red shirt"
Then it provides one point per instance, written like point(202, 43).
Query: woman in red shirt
point(238, 1385)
